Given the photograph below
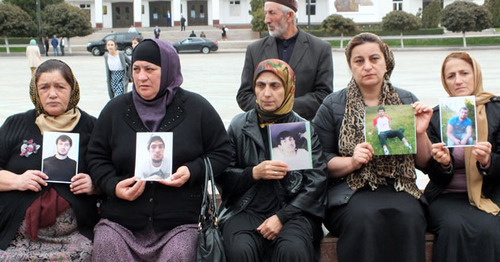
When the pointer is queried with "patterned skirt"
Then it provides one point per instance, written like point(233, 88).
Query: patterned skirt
point(59, 242)
point(116, 82)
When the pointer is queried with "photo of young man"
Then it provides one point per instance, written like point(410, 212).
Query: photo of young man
point(60, 167)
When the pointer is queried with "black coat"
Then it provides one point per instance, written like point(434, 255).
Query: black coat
point(238, 185)
point(440, 178)
point(197, 131)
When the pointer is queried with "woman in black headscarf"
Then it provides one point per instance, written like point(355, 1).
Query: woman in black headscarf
point(154, 221)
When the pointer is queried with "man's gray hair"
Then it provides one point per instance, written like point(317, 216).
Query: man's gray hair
point(285, 9)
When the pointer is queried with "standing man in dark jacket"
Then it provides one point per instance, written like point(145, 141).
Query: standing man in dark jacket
point(309, 56)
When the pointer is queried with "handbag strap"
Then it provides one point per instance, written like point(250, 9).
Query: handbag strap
point(208, 206)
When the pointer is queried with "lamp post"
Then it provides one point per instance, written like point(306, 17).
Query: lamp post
point(308, 15)
point(39, 18)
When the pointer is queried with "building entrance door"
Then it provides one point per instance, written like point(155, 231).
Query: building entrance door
point(197, 13)
point(123, 15)
point(158, 13)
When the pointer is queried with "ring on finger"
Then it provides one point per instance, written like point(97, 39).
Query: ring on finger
point(275, 172)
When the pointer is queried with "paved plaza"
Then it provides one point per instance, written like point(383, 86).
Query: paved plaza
point(216, 76)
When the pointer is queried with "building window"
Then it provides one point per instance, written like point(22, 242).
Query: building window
point(234, 8)
point(397, 5)
point(313, 7)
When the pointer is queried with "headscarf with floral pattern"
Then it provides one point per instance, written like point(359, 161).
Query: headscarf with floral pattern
point(285, 73)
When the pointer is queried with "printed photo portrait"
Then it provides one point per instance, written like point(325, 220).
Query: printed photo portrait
point(291, 143)
point(60, 156)
point(153, 159)
point(458, 121)
point(390, 129)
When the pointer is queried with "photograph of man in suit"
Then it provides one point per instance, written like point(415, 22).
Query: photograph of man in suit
point(309, 57)
point(156, 168)
point(60, 167)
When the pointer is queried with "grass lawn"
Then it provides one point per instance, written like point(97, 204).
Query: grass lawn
point(13, 49)
point(473, 41)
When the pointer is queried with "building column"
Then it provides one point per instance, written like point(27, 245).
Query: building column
point(176, 12)
point(137, 13)
point(215, 12)
point(98, 13)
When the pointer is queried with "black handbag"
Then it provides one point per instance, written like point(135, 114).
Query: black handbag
point(210, 243)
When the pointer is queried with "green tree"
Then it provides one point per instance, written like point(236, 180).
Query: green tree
point(431, 14)
point(337, 24)
point(465, 17)
point(257, 11)
point(29, 6)
point(14, 22)
point(400, 21)
point(66, 20)
point(493, 6)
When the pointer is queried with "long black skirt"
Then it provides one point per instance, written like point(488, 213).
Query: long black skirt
point(463, 232)
point(380, 225)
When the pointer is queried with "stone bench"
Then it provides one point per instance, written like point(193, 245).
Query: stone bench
point(329, 248)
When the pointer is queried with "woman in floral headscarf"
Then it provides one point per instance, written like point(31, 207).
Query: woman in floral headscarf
point(373, 201)
point(269, 212)
point(464, 187)
point(43, 221)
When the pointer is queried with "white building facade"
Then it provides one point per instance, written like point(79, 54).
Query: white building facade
point(149, 13)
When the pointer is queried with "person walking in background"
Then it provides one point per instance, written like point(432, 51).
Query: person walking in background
point(117, 69)
point(192, 34)
point(309, 57)
point(62, 43)
point(55, 43)
point(183, 23)
point(157, 31)
point(169, 18)
point(34, 57)
point(224, 32)
point(202, 35)
point(46, 43)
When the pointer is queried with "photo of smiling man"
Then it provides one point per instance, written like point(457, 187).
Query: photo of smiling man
point(60, 167)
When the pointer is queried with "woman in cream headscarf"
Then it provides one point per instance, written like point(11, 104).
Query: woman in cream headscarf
point(43, 221)
point(33, 54)
point(464, 191)
point(269, 212)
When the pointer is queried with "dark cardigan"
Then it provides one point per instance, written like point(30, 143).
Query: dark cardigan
point(13, 204)
point(197, 131)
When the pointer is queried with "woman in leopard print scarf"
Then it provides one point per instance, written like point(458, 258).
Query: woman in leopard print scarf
point(381, 218)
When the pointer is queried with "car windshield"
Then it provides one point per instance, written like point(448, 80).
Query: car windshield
point(108, 37)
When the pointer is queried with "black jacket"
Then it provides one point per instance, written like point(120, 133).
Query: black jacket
point(440, 178)
point(197, 131)
point(238, 185)
point(327, 123)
